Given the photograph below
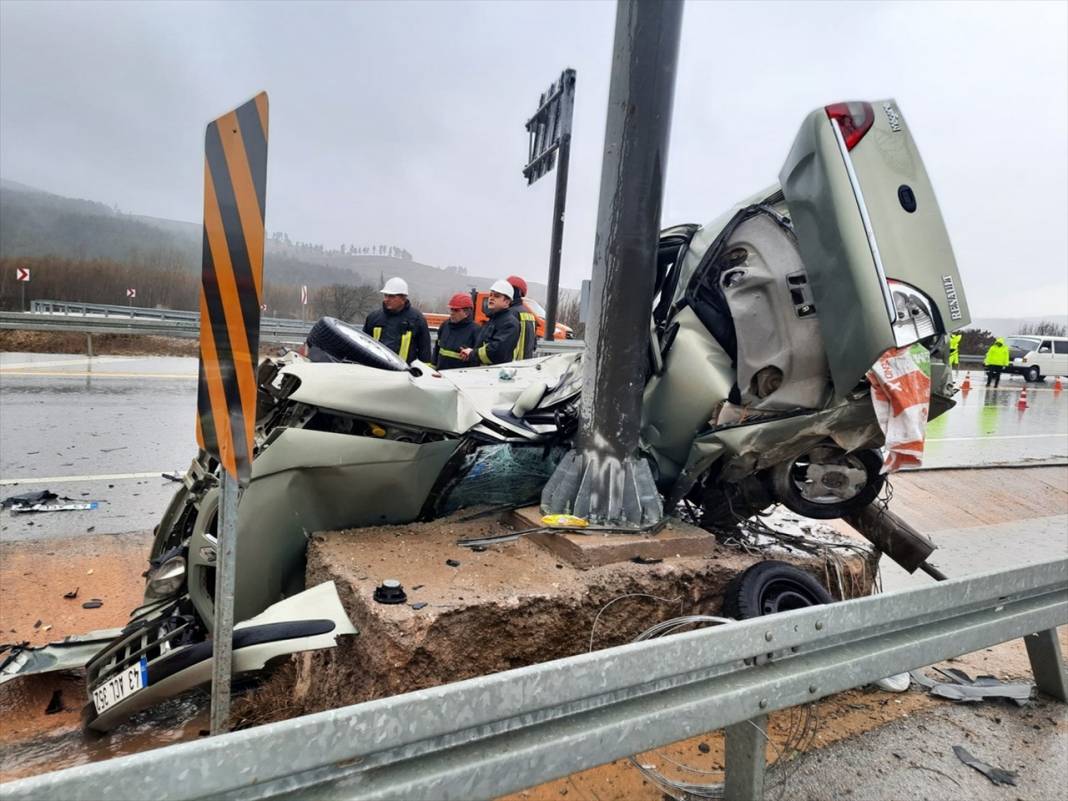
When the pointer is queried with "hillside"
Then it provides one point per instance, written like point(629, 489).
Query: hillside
point(35, 223)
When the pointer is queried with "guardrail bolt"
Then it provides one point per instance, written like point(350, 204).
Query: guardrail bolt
point(819, 625)
point(763, 703)
point(812, 688)
point(768, 636)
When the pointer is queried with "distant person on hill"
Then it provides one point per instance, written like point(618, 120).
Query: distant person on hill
point(398, 325)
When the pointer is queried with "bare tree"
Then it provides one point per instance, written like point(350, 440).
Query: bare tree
point(345, 301)
point(567, 312)
point(1046, 328)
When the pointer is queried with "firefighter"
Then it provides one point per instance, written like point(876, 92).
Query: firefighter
point(398, 325)
point(457, 333)
point(528, 336)
point(997, 359)
point(499, 336)
point(954, 351)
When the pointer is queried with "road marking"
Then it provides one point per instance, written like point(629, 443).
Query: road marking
point(90, 374)
point(68, 362)
point(1004, 436)
point(62, 479)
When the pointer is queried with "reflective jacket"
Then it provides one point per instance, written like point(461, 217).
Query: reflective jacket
point(954, 349)
point(452, 338)
point(997, 355)
point(498, 338)
point(524, 348)
point(404, 332)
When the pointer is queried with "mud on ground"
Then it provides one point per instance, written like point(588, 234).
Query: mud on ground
point(74, 342)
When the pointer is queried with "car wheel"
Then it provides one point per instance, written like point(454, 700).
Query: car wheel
point(1033, 374)
point(341, 342)
point(827, 482)
point(771, 587)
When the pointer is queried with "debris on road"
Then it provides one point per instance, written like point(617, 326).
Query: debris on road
point(70, 653)
point(55, 705)
point(898, 683)
point(452, 562)
point(72, 594)
point(962, 687)
point(42, 501)
point(390, 591)
point(28, 498)
point(93, 603)
point(174, 475)
point(998, 776)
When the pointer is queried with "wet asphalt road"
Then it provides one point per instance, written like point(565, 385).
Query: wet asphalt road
point(106, 431)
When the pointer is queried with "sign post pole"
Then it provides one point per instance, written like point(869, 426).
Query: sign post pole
point(22, 275)
point(231, 294)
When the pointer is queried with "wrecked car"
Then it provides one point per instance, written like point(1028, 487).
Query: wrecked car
point(765, 324)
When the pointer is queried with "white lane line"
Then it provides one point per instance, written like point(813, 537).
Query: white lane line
point(89, 374)
point(67, 362)
point(63, 479)
point(1005, 436)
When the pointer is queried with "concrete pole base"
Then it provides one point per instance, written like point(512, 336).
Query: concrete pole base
point(604, 490)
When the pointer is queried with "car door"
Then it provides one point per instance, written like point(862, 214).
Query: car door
point(1060, 357)
point(871, 235)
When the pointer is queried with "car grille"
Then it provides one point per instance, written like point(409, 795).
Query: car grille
point(151, 639)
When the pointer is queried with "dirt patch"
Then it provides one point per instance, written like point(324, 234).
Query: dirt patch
point(36, 574)
point(109, 344)
point(512, 605)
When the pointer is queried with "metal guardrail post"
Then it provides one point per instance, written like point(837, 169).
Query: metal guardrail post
point(1047, 665)
point(745, 760)
point(226, 564)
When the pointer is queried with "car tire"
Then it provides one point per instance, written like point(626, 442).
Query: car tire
point(771, 587)
point(344, 343)
point(1033, 374)
point(787, 491)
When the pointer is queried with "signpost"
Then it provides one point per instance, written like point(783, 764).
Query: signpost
point(303, 301)
point(131, 293)
point(235, 187)
point(22, 275)
point(550, 133)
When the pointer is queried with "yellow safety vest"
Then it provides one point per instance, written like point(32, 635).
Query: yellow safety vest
point(405, 344)
point(520, 346)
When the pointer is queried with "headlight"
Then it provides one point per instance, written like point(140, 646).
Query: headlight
point(167, 579)
point(914, 318)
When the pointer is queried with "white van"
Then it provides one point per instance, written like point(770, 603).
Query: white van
point(1036, 357)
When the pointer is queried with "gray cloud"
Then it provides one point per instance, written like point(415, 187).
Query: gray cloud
point(402, 122)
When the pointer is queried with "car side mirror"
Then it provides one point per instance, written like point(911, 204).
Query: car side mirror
point(1043, 350)
point(529, 398)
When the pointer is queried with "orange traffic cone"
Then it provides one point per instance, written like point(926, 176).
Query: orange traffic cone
point(1057, 385)
point(967, 383)
point(1021, 404)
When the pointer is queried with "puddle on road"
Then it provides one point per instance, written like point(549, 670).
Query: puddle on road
point(68, 744)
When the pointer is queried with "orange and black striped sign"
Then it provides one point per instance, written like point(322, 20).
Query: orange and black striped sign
point(235, 189)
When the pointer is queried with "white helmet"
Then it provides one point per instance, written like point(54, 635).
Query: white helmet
point(502, 287)
point(395, 286)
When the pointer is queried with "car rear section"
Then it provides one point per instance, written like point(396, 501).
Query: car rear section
point(871, 235)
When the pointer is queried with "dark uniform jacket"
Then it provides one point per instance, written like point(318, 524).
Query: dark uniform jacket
point(498, 338)
point(524, 348)
point(452, 337)
point(404, 332)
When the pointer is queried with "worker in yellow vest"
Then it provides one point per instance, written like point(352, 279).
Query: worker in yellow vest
point(528, 325)
point(997, 359)
point(954, 351)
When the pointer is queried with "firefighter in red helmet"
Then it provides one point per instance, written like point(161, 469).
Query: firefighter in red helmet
point(460, 331)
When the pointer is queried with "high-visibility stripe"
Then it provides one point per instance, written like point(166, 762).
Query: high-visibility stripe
point(406, 343)
point(520, 346)
point(235, 185)
point(376, 332)
point(452, 354)
point(483, 355)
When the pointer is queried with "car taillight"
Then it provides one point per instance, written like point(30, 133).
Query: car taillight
point(855, 119)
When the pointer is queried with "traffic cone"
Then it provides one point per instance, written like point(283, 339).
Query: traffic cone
point(967, 383)
point(1021, 404)
point(1057, 385)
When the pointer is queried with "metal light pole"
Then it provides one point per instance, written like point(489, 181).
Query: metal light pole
point(604, 478)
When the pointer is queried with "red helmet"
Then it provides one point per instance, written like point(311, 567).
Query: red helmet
point(461, 300)
point(519, 284)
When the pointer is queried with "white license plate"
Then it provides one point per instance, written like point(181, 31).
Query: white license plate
point(122, 686)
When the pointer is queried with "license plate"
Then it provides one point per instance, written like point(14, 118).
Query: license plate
point(121, 686)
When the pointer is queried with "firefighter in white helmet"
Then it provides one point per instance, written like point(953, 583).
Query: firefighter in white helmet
point(500, 333)
point(398, 325)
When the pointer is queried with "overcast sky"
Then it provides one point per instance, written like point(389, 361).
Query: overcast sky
point(402, 122)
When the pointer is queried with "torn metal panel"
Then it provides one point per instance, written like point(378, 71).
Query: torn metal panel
point(998, 776)
point(70, 653)
point(961, 687)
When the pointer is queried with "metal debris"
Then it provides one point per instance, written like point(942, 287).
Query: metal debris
point(962, 687)
point(93, 603)
point(998, 776)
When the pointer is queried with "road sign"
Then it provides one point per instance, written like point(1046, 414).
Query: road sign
point(304, 296)
point(131, 293)
point(231, 292)
point(22, 274)
point(263, 307)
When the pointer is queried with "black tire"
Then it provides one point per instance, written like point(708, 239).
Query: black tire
point(771, 587)
point(785, 483)
point(343, 343)
point(1033, 374)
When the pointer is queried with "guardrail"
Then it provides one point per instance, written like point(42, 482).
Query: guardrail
point(70, 308)
point(496, 734)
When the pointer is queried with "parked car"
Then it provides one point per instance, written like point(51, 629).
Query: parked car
point(1036, 357)
point(765, 323)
